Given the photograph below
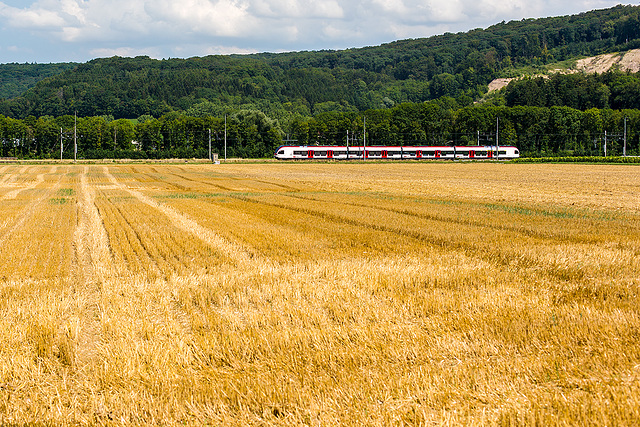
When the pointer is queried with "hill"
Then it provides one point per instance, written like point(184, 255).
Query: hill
point(15, 79)
point(455, 65)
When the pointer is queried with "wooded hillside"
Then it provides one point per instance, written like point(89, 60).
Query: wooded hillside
point(15, 79)
point(455, 65)
point(412, 92)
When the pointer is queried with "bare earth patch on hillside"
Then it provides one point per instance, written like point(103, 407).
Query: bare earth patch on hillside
point(629, 61)
point(498, 84)
point(598, 64)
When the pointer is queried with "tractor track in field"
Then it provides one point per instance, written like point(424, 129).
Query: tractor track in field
point(6, 176)
point(235, 252)
point(475, 249)
point(135, 241)
point(94, 264)
point(161, 256)
point(207, 179)
point(485, 253)
point(221, 187)
point(466, 222)
point(172, 307)
point(24, 214)
point(183, 188)
point(31, 185)
point(10, 178)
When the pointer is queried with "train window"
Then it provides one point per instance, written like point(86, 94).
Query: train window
point(502, 153)
point(299, 153)
point(281, 152)
point(481, 153)
point(320, 153)
point(446, 153)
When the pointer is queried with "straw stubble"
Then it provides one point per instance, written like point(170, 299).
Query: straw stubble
point(287, 294)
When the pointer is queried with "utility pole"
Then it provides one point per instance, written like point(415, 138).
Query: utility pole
point(225, 137)
point(347, 144)
point(364, 139)
point(624, 147)
point(115, 141)
point(497, 138)
point(60, 144)
point(605, 143)
point(210, 158)
point(75, 137)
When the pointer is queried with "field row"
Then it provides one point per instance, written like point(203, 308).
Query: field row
point(319, 294)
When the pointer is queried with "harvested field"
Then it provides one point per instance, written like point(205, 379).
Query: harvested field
point(320, 294)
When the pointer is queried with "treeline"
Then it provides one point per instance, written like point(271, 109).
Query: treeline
point(251, 134)
point(307, 83)
point(612, 89)
point(536, 131)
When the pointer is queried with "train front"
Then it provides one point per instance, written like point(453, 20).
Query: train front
point(281, 153)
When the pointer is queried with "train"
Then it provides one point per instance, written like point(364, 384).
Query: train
point(317, 152)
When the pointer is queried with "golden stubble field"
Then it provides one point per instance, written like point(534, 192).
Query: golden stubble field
point(320, 294)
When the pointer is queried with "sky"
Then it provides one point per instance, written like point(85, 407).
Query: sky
point(44, 31)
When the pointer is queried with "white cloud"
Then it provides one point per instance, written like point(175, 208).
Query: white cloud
point(327, 9)
point(227, 18)
point(227, 50)
point(447, 11)
point(125, 52)
point(197, 27)
point(400, 31)
point(334, 32)
point(309, 9)
point(33, 17)
point(392, 6)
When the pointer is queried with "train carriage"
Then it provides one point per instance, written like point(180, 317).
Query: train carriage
point(304, 152)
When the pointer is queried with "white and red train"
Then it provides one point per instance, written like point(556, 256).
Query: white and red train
point(302, 152)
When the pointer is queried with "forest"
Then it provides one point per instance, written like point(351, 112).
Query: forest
point(419, 91)
point(15, 79)
point(416, 70)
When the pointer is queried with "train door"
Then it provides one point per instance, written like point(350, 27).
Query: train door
point(310, 154)
point(472, 154)
point(490, 154)
point(437, 154)
point(419, 154)
point(330, 154)
point(384, 154)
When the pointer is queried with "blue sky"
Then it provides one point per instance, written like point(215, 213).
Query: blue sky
point(80, 30)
